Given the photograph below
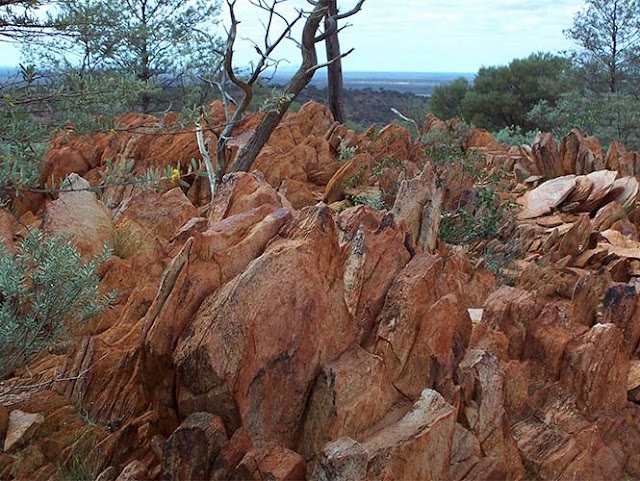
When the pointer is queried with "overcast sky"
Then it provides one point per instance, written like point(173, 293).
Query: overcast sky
point(426, 36)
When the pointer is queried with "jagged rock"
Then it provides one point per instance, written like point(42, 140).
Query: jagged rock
point(350, 394)
point(482, 382)
point(620, 307)
point(547, 339)
point(308, 161)
point(68, 154)
point(624, 191)
point(603, 182)
point(231, 455)
point(299, 194)
point(633, 382)
point(351, 169)
point(547, 157)
point(134, 471)
point(570, 147)
point(204, 264)
point(341, 460)
point(110, 473)
point(418, 446)
point(547, 450)
point(418, 203)
point(20, 428)
point(507, 312)
point(421, 332)
point(553, 280)
point(587, 293)
point(619, 159)
point(567, 446)
point(240, 192)
point(546, 197)
point(170, 211)
point(580, 192)
point(8, 227)
point(374, 253)
point(190, 451)
point(595, 368)
point(576, 240)
point(465, 453)
point(392, 141)
point(275, 463)
point(79, 214)
point(254, 346)
point(481, 138)
point(607, 215)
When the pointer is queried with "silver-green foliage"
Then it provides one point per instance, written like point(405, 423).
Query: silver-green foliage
point(45, 287)
point(35, 107)
point(608, 116)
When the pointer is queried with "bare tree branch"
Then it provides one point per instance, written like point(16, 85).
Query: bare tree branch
point(330, 62)
point(309, 65)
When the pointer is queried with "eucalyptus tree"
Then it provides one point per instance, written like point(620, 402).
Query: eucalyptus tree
point(608, 32)
point(153, 39)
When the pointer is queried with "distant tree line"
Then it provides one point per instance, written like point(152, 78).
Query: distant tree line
point(595, 88)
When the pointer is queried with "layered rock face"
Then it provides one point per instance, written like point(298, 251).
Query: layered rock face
point(265, 334)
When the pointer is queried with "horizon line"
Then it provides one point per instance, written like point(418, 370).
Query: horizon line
point(293, 69)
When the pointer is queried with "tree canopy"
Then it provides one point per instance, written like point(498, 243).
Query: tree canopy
point(608, 32)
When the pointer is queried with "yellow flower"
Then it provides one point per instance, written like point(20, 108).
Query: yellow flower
point(175, 176)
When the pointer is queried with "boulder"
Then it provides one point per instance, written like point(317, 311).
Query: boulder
point(231, 455)
point(20, 428)
point(546, 197)
point(419, 335)
point(418, 446)
point(78, 213)
point(341, 460)
point(483, 409)
point(191, 449)
point(255, 345)
point(350, 395)
point(595, 368)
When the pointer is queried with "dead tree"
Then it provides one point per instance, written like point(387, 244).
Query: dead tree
point(312, 34)
point(335, 85)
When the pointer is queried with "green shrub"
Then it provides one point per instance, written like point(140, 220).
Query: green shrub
point(479, 220)
point(45, 287)
point(514, 135)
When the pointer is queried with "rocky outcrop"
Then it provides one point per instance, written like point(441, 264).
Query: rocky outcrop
point(268, 335)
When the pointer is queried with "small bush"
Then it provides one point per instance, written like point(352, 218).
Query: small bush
point(479, 220)
point(45, 287)
point(514, 135)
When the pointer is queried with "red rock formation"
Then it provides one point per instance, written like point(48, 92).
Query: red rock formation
point(266, 336)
